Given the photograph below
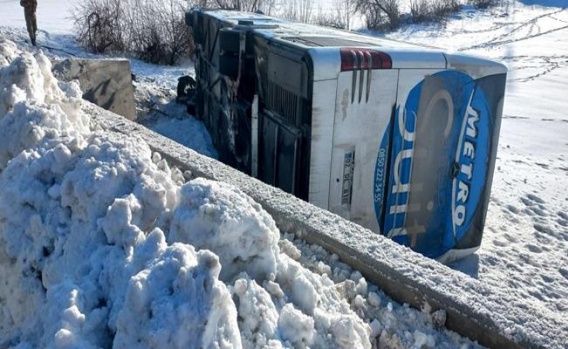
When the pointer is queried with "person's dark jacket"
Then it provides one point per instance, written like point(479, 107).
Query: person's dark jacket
point(30, 5)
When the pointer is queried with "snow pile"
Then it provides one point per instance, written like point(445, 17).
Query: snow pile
point(102, 239)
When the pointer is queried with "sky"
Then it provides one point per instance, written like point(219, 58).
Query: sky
point(93, 227)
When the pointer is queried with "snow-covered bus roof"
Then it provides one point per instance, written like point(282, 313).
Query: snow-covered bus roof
point(307, 35)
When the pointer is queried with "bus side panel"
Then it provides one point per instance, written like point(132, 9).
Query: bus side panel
point(363, 111)
point(321, 141)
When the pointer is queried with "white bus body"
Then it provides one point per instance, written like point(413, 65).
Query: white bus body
point(399, 138)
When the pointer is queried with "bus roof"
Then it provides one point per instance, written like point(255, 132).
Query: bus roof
point(308, 35)
point(317, 40)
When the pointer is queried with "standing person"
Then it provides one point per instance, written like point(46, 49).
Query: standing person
point(30, 7)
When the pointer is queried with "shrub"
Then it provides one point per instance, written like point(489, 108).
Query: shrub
point(432, 10)
point(441, 9)
point(483, 4)
point(97, 24)
point(153, 31)
point(330, 20)
point(380, 14)
point(419, 10)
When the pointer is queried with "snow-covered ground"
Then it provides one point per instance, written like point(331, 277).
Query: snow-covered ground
point(114, 246)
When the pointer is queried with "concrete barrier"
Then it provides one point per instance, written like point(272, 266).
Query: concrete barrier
point(104, 82)
point(487, 315)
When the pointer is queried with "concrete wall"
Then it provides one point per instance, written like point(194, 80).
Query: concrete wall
point(492, 318)
point(104, 82)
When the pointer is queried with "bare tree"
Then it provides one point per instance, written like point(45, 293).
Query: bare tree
point(268, 6)
point(345, 10)
point(297, 10)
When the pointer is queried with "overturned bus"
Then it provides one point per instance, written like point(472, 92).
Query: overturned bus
point(399, 138)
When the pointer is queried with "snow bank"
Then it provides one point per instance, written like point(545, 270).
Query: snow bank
point(215, 216)
point(102, 239)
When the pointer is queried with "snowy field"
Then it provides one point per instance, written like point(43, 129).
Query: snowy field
point(114, 214)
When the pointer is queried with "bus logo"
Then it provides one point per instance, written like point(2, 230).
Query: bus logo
point(428, 202)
